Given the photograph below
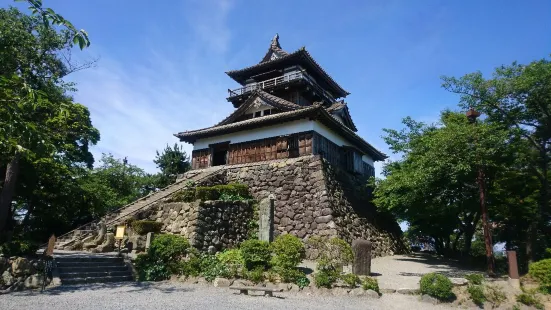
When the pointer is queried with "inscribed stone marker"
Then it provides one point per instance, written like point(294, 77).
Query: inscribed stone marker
point(266, 219)
point(362, 257)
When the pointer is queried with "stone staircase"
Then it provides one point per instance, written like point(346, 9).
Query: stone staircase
point(92, 269)
point(140, 205)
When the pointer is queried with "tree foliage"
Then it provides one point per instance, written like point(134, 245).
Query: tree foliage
point(171, 162)
point(433, 186)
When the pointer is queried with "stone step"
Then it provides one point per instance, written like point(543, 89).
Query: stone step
point(97, 280)
point(76, 275)
point(89, 259)
point(90, 264)
point(88, 268)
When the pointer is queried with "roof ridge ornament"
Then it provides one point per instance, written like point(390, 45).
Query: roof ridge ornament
point(275, 41)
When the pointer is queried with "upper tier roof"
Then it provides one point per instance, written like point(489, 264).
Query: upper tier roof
point(277, 57)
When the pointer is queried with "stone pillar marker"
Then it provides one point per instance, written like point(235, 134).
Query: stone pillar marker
point(149, 239)
point(266, 219)
point(514, 280)
point(362, 257)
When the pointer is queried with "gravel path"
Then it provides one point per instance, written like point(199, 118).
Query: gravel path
point(405, 271)
point(174, 295)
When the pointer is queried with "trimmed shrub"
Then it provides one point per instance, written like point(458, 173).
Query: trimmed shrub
point(477, 294)
point(302, 281)
point(289, 275)
point(530, 300)
point(150, 269)
point(228, 192)
point(233, 260)
point(541, 271)
point(337, 251)
point(370, 283)
point(437, 286)
point(350, 279)
point(547, 253)
point(341, 252)
point(288, 250)
point(256, 253)
point(475, 278)
point(256, 275)
point(168, 248)
point(143, 227)
point(185, 195)
point(211, 268)
point(325, 279)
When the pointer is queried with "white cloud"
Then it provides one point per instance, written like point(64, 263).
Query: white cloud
point(138, 106)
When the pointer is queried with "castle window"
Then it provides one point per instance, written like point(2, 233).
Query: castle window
point(258, 114)
point(267, 112)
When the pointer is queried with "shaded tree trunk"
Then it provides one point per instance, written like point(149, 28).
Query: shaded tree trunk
point(8, 191)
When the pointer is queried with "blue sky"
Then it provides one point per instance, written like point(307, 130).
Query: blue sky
point(161, 63)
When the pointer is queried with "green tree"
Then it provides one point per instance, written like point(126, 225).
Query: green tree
point(171, 162)
point(519, 97)
point(38, 119)
point(433, 186)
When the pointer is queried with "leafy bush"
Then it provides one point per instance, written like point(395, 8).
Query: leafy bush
point(256, 275)
point(256, 253)
point(233, 260)
point(477, 294)
point(302, 282)
point(437, 286)
point(541, 271)
point(150, 269)
point(185, 195)
point(18, 248)
point(168, 248)
point(350, 279)
point(211, 268)
point(341, 252)
point(530, 300)
point(252, 225)
point(547, 253)
point(190, 267)
point(288, 250)
point(495, 295)
point(475, 278)
point(289, 275)
point(228, 192)
point(370, 283)
point(144, 227)
point(336, 251)
point(325, 279)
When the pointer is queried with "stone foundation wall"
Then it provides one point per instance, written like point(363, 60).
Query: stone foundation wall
point(221, 224)
point(314, 199)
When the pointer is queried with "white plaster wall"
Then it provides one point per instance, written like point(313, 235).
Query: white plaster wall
point(278, 130)
point(258, 133)
point(338, 140)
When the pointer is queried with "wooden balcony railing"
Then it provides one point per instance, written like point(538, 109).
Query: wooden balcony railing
point(279, 81)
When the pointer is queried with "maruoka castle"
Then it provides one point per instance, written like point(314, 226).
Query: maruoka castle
point(287, 106)
point(292, 141)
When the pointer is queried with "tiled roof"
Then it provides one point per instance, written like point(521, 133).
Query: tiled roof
point(314, 111)
point(302, 52)
point(272, 100)
point(275, 48)
point(339, 106)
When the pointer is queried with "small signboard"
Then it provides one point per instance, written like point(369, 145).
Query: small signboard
point(120, 232)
